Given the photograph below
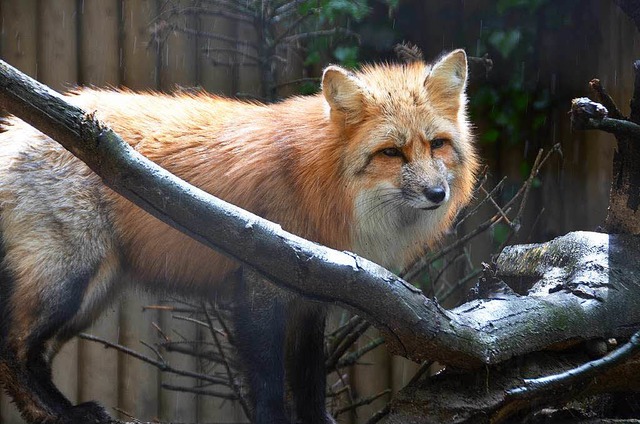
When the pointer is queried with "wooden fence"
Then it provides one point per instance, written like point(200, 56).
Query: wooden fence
point(110, 43)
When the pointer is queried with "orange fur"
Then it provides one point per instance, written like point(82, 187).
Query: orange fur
point(304, 163)
point(378, 163)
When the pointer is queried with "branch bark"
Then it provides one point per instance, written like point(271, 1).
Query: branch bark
point(484, 331)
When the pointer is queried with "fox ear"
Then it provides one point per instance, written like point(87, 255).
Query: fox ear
point(343, 91)
point(447, 79)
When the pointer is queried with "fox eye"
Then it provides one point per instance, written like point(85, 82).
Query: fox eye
point(392, 152)
point(436, 143)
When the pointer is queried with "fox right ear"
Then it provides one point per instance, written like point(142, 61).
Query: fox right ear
point(343, 91)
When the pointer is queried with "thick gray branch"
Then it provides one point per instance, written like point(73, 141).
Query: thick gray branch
point(483, 331)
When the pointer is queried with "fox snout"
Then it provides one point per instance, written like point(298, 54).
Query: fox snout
point(435, 194)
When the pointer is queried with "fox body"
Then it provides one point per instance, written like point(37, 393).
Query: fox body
point(378, 163)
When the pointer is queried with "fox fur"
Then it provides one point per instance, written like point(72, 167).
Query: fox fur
point(378, 163)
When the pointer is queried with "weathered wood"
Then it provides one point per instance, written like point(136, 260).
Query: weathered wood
point(480, 332)
point(139, 70)
point(57, 66)
point(99, 65)
point(19, 40)
point(19, 44)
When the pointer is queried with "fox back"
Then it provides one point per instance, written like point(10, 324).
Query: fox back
point(378, 163)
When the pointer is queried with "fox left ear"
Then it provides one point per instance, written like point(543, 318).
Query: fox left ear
point(343, 91)
point(447, 79)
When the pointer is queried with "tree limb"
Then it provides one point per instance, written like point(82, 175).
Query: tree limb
point(485, 331)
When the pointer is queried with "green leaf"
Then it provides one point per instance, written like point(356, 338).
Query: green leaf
point(505, 42)
point(490, 136)
point(347, 56)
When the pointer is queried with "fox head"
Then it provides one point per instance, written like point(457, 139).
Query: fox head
point(408, 151)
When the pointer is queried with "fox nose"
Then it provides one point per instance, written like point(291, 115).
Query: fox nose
point(435, 194)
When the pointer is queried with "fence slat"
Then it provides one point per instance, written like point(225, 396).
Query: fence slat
point(57, 67)
point(138, 383)
point(99, 66)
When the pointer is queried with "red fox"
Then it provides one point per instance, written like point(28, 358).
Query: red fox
point(378, 163)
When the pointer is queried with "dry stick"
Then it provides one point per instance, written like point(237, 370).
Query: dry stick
point(227, 367)
point(345, 344)
point(353, 357)
point(417, 267)
point(538, 163)
point(461, 283)
point(340, 332)
point(605, 99)
point(205, 11)
point(321, 33)
point(576, 376)
point(361, 402)
point(161, 365)
point(483, 201)
point(205, 392)
point(189, 319)
point(379, 415)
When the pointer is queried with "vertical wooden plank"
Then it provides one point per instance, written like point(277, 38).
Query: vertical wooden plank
point(179, 55)
point(175, 405)
point(19, 34)
point(57, 43)
point(369, 380)
point(248, 71)
point(216, 73)
point(178, 69)
point(99, 42)
point(138, 383)
point(98, 367)
point(19, 48)
point(139, 54)
point(57, 67)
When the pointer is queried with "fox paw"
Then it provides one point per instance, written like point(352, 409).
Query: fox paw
point(89, 413)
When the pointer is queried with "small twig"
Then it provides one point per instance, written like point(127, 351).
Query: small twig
point(285, 10)
point(442, 271)
point(233, 51)
point(162, 366)
point(426, 365)
point(321, 33)
point(345, 328)
point(344, 345)
point(361, 402)
point(292, 26)
point(483, 201)
point(379, 415)
point(353, 357)
point(418, 266)
point(237, 16)
point(189, 319)
point(461, 283)
point(298, 81)
point(227, 367)
point(605, 99)
point(161, 333)
point(577, 376)
point(205, 392)
point(498, 208)
point(126, 414)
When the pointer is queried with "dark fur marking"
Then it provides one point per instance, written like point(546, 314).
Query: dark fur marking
point(7, 284)
point(60, 309)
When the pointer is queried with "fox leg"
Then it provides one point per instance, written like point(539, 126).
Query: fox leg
point(35, 319)
point(259, 321)
point(306, 361)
